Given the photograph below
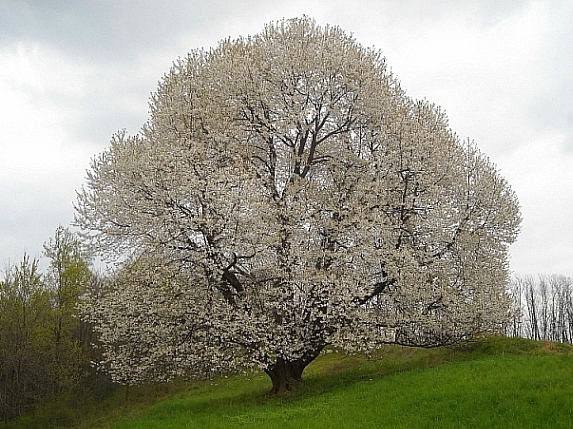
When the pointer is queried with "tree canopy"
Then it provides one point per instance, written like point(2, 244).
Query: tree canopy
point(285, 195)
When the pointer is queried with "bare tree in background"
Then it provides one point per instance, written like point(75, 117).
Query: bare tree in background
point(543, 308)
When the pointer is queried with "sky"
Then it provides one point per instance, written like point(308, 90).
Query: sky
point(72, 73)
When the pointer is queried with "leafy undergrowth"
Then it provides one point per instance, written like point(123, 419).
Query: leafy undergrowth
point(490, 383)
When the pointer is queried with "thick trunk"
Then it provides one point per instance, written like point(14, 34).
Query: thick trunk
point(287, 375)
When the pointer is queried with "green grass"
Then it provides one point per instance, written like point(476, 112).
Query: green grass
point(493, 383)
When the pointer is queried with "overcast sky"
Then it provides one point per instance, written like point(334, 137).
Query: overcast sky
point(72, 73)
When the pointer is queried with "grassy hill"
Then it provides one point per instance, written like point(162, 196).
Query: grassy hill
point(492, 383)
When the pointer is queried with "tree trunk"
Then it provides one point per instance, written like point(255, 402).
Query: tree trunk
point(287, 375)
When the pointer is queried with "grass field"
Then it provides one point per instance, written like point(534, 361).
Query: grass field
point(493, 383)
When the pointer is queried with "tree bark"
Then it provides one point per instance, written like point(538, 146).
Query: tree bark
point(286, 376)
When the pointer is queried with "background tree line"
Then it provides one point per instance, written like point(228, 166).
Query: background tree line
point(542, 308)
point(45, 348)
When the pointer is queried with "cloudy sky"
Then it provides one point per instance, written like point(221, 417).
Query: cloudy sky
point(74, 72)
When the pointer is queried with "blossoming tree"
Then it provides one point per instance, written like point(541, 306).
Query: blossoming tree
point(285, 195)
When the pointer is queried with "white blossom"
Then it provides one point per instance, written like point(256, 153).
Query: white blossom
point(286, 195)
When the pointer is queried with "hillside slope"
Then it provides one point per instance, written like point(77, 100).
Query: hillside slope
point(493, 383)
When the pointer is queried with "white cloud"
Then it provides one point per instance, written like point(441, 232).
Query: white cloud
point(35, 144)
point(541, 173)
